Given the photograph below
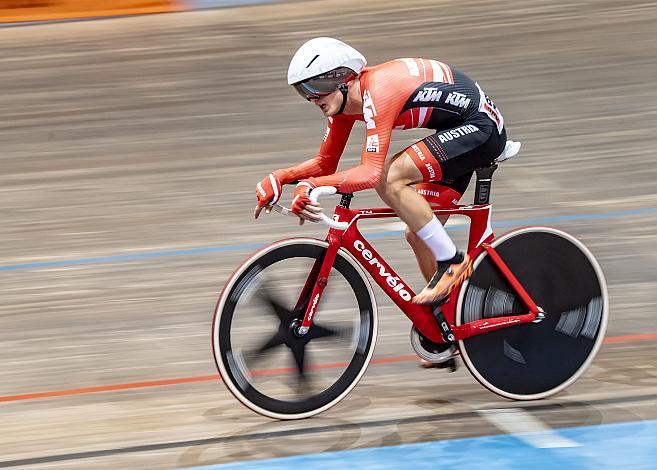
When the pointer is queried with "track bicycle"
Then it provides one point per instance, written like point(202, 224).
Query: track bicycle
point(295, 325)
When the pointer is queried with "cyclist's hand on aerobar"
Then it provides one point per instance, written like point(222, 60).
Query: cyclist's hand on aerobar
point(302, 206)
point(268, 192)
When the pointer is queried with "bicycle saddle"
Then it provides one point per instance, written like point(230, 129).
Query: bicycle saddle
point(510, 149)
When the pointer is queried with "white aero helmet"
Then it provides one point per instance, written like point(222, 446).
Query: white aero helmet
point(321, 65)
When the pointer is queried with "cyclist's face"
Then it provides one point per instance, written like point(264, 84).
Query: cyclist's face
point(329, 104)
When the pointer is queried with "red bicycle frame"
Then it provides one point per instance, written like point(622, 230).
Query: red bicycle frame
point(350, 239)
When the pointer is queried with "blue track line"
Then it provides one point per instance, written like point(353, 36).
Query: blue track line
point(624, 446)
point(252, 246)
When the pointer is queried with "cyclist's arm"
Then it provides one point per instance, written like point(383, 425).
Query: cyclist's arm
point(377, 140)
point(326, 161)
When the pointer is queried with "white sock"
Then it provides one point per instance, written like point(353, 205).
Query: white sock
point(436, 238)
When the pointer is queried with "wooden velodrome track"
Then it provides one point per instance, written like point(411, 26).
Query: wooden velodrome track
point(129, 149)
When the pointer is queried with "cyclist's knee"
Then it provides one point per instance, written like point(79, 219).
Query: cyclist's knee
point(381, 186)
point(403, 171)
point(389, 186)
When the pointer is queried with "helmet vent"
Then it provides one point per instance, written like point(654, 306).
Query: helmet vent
point(310, 63)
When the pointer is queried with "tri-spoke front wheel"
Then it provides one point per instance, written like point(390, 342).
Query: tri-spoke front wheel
point(262, 358)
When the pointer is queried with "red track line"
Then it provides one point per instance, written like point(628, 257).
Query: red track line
point(629, 338)
point(206, 378)
point(108, 388)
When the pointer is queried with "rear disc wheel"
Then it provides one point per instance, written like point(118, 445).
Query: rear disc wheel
point(535, 360)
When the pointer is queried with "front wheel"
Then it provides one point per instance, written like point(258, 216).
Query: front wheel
point(535, 360)
point(260, 355)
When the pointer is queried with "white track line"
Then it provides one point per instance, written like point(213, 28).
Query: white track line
point(525, 427)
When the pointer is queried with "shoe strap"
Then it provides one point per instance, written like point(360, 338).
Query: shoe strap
point(443, 266)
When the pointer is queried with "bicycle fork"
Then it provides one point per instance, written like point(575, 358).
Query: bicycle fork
point(317, 281)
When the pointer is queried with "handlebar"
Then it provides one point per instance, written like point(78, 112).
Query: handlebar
point(314, 196)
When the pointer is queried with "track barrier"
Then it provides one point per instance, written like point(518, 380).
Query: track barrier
point(26, 11)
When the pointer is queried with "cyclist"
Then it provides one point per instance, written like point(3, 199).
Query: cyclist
point(399, 94)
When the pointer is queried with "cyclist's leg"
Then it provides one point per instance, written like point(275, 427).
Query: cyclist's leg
point(449, 155)
point(394, 189)
point(447, 193)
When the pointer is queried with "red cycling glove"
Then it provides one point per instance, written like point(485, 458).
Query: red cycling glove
point(268, 192)
point(300, 199)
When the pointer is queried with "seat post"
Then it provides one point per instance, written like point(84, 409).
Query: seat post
point(484, 182)
point(346, 200)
